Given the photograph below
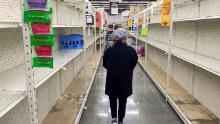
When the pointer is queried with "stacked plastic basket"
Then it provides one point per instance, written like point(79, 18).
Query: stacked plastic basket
point(38, 14)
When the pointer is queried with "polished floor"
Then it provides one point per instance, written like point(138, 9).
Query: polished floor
point(146, 106)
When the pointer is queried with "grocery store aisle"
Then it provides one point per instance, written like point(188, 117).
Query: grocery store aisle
point(146, 106)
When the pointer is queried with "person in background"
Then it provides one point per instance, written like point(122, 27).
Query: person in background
point(120, 61)
point(116, 27)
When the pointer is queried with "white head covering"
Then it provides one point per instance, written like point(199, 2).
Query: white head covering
point(120, 34)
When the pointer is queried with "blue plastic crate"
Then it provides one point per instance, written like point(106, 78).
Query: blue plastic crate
point(72, 41)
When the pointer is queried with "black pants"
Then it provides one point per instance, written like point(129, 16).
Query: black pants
point(115, 111)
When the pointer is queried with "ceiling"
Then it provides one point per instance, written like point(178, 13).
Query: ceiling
point(122, 6)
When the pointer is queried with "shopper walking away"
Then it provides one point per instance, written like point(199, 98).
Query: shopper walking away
point(120, 61)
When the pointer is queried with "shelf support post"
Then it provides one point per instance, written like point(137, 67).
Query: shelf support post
point(169, 51)
point(104, 40)
point(30, 84)
point(103, 36)
point(95, 46)
point(85, 47)
point(136, 44)
point(100, 43)
point(146, 43)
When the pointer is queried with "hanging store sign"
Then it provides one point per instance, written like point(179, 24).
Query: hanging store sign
point(114, 8)
point(129, 22)
point(165, 13)
point(140, 21)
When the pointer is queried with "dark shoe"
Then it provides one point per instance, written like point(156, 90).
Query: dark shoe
point(120, 122)
point(114, 121)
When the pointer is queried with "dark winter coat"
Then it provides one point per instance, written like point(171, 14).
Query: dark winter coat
point(120, 61)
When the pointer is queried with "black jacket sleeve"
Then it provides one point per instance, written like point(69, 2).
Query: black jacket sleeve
point(105, 60)
point(134, 58)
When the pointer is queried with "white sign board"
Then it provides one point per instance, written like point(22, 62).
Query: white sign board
point(114, 11)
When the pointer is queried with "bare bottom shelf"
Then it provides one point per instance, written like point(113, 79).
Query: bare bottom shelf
point(13, 82)
point(68, 106)
point(10, 98)
point(195, 112)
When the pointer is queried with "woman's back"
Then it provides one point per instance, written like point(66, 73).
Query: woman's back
point(119, 61)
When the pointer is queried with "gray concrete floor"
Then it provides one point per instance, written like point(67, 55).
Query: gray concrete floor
point(145, 106)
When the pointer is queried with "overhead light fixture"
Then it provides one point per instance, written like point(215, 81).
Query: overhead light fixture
point(115, 1)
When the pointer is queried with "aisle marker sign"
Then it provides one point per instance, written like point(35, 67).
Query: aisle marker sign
point(165, 13)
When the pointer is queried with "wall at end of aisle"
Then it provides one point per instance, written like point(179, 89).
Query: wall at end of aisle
point(114, 19)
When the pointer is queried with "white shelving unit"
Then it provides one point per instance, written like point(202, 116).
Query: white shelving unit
point(194, 48)
point(49, 83)
point(67, 26)
point(206, 62)
point(12, 25)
